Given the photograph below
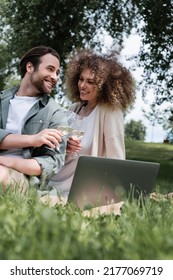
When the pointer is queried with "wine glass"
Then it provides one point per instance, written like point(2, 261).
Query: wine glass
point(65, 130)
point(76, 121)
point(78, 134)
point(78, 125)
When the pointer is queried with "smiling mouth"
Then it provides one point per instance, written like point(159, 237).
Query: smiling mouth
point(49, 84)
point(83, 92)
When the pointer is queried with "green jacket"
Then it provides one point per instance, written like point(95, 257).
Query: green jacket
point(46, 113)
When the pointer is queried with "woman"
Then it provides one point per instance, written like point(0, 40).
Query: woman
point(100, 89)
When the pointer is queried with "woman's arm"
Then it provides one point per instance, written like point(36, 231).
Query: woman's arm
point(114, 134)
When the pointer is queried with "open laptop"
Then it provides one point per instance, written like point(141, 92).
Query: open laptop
point(100, 181)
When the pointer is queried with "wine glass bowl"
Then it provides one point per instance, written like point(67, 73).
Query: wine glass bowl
point(78, 133)
point(78, 127)
point(65, 129)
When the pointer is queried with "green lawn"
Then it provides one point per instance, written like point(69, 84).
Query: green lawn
point(162, 153)
point(30, 230)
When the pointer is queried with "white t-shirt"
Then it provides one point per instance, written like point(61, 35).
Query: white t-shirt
point(62, 181)
point(18, 109)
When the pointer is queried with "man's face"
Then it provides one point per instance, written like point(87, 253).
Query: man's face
point(44, 79)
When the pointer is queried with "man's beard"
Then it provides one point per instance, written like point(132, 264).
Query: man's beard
point(39, 85)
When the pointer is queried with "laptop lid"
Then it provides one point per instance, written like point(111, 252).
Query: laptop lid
point(100, 181)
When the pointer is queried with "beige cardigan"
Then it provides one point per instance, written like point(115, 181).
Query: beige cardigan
point(108, 138)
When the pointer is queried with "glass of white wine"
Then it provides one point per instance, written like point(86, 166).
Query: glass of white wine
point(78, 134)
point(65, 130)
point(79, 125)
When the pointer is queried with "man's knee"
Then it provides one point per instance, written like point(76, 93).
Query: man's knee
point(10, 178)
point(4, 176)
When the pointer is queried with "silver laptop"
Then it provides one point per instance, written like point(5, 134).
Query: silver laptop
point(100, 181)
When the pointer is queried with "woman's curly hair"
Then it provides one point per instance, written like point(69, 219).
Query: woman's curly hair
point(114, 82)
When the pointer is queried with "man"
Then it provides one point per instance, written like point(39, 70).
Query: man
point(29, 119)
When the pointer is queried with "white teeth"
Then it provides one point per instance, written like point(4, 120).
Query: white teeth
point(50, 84)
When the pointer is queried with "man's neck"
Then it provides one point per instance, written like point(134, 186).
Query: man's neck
point(27, 89)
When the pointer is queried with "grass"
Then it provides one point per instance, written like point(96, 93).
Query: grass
point(156, 152)
point(31, 230)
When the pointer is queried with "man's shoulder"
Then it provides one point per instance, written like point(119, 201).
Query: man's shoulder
point(10, 91)
point(53, 103)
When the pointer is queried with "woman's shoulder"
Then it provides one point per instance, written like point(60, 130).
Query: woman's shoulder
point(76, 106)
point(112, 110)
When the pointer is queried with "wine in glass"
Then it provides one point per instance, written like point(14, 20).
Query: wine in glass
point(78, 125)
point(77, 134)
point(65, 130)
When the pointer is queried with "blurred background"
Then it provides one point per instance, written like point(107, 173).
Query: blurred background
point(140, 31)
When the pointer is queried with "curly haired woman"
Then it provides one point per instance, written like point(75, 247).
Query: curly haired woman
point(101, 89)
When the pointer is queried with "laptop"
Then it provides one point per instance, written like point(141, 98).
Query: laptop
point(101, 181)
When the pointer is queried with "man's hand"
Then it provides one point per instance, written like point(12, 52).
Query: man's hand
point(49, 137)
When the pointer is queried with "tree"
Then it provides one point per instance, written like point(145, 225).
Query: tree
point(156, 54)
point(154, 116)
point(66, 25)
point(168, 125)
point(61, 24)
point(3, 65)
point(135, 130)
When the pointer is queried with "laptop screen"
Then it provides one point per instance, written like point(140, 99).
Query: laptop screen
point(100, 181)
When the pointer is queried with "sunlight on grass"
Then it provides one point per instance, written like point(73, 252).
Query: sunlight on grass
point(31, 230)
point(156, 152)
point(149, 151)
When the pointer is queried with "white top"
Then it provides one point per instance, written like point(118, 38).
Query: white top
point(104, 137)
point(18, 109)
point(62, 181)
point(108, 139)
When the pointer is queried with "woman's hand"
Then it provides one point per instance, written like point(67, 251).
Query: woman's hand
point(73, 145)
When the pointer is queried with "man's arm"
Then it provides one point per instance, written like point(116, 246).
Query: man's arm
point(49, 136)
point(26, 166)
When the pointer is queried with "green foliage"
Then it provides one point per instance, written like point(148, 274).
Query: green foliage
point(30, 230)
point(168, 123)
point(156, 52)
point(65, 25)
point(5, 70)
point(135, 130)
point(62, 25)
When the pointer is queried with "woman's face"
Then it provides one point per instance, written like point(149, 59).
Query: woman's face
point(87, 87)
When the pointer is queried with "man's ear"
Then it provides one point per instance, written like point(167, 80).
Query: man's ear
point(29, 67)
